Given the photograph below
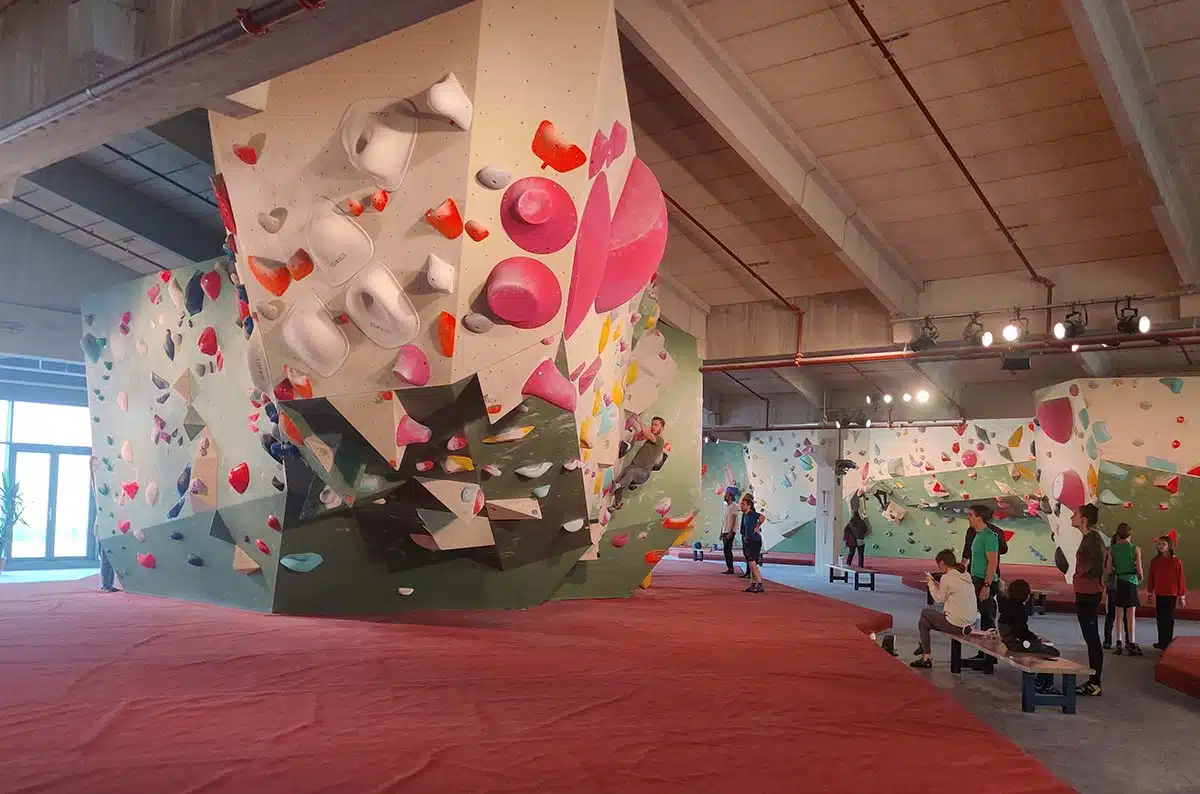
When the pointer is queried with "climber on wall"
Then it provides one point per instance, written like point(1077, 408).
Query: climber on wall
point(645, 460)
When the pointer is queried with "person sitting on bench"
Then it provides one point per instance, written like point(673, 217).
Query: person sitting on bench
point(956, 592)
point(1013, 627)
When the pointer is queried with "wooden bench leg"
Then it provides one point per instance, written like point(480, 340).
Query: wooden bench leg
point(955, 656)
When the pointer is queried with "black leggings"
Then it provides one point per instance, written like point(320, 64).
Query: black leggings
point(987, 607)
point(1087, 607)
point(1110, 619)
point(728, 540)
point(850, 556)
point(1164, 610)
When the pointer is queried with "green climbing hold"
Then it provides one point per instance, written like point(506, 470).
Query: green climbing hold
point(1174, 384)
point(302, 562)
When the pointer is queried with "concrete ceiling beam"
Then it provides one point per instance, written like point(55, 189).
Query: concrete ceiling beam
point(1106, 33)
point(144, 216)
point(805, 385)
point(672, 39)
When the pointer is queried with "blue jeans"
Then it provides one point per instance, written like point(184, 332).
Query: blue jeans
point(107, 574)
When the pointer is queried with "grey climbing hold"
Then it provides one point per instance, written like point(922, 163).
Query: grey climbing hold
point(477, 323)
point(195, 560)
point(176, 536)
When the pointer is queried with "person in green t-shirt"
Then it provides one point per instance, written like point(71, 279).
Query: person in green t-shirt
point(1125, 565)
point(985, 560)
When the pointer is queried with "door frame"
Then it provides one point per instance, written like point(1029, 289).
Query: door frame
point(48, 561)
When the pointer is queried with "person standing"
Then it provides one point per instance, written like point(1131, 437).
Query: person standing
point(1088, 583)
point(1166, 583)
point(856, 532)
point(1125, 565)
point(729, 527)
point(752, 522)
point(984, 563)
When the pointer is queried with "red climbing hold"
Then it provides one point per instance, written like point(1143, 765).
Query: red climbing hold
point(273, 523)
point(210, 282)
point(549, 147)
point(446, 219)
point(146, 560)
point(239, 478)
point(124, 526)
point(130, 488)
point(208, 341)
point(655, 557)
point(445, 333)
point(262, 546)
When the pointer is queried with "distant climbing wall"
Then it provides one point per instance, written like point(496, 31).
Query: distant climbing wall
point(1131, 445)
point(723, 464)
point(188, 472)
point(663, 381)
point(782, 468)
point(918, 482)
point(441, 323)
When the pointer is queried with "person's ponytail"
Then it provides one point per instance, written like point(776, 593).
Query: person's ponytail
point(946, 557)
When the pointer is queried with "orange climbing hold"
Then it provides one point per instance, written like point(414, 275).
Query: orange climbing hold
point(446, 219)
point(271, 275)
point(445, 331)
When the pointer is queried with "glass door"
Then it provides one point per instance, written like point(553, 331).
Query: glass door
point(56, 487)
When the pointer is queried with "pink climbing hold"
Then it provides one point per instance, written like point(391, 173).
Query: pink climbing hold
point(479, 501)
point(618, 138)
point(591, 256)
point(589, 375)
point(550, 385)
point(124, 526)
point(538, 215)
point(412, 365)
point(970, 458)
point(208, 341)
point(210, 282)
point(599, 158)
point(1068, 489)
point(1056, 419)
point(146, 560)
point(637, 240)
point(239, 477)
point(523, 292)
point(618, 541)
point(262, 546)
point(130, 488)
point(410, 431)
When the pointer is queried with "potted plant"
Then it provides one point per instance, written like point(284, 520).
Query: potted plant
point(12, 508)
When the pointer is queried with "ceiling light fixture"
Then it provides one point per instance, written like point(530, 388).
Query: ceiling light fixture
point(868, 399)
point(922, 396)
point(887, 399)
point(906, 397)
point(1129, 320)
point(927, 338)
point(1073, 325)
point(976, 334)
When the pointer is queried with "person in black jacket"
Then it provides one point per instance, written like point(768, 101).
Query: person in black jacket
point(1013, 627)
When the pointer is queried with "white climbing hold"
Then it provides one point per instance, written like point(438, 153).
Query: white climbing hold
point(448, 99)
point(440, 274)
point(534, 470)
point(573, 525)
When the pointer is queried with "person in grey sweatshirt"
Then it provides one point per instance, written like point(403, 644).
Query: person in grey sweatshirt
point(956, 592)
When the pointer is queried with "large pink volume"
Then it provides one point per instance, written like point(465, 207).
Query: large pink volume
point(637, 239)
point(591, 255)
point(1056, 419)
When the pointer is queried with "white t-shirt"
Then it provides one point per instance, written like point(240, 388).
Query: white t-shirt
point(731, 518)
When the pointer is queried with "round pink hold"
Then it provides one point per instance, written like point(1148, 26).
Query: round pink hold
point(538, 215)
point(638, 238)
point(1056, 419)
point(523, 292)
point(591, 256)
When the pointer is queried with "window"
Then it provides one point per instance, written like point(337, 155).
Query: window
point(57, 425)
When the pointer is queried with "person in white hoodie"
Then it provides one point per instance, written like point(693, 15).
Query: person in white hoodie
point(956, 592)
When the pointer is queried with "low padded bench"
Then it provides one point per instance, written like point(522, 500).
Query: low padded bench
point(1029, 664)
point(863, 577)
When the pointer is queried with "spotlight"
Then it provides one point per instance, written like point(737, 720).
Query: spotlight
point(1075, 348)
point(975, 334)
point(922, 396)
point(707, 439)
point(1072, 326)
point(906, 397)
point(1017, 327)
point(887, 399)
point(927, 338)
point(868, 399)
point(1129, 320)
point(868, 423)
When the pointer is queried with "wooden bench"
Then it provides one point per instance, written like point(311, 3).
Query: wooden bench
point(1029, 664)
point(1037, 600)
point(863, 577)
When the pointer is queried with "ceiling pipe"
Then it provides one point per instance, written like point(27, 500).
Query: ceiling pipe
point(248, 22)
point(1051, 306)
point(1044, 347)
point(937, 129)
point(832, 426)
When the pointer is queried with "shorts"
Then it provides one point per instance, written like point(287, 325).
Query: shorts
point(1125, 595)
point(752, 550)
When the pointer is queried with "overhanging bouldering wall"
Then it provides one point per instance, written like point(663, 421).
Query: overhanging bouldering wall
point(1129, 445)
point(917, 483)
point(444, 245)
point(187, 471)
point(663, 381)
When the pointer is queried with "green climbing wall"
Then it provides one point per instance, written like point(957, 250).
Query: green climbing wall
point(1153, 503)
point(723, 463)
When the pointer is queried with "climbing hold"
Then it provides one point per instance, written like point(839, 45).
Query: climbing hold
point(299, 265)
point(302, 562)
point(618, 138)
point(247, 154)
point(1056, 419)
point(534, 470)
point(272, 275)
point(655, 557)
point(176, 536)
point(549, 384)
point(207, 342)
point(424, 466)
point(456, 464)
point(590, 257)
point(130, 488)
point(663, 507)
point(410, 431)
point(619, 541)
point(509, 434)
point(493, 177)
point(523, 292)
point(146, 560)
point(445, 333)
point(440, 274)
point(491, 470)
point(411, 365)
point(589, 375)
point(1068, 489)
point(477, 231)
point(541, 491)
point(638, 238)
point(1174, 384)
point(262, 546)
point(273, 523)
point(239, 477)
point(456, 443)
point(549, 147)
point(538, 215)
point(477, 323)
point(446, 219)
point(405, 591)
point(123, 526)
point(574, 525)
point(195, 560)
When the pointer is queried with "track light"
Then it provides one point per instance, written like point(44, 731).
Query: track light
point(887, 399)
point(1075, 348)
point(868, 399)
point(906, 397)
point(1072, 326)
point(1129, 320)
point(927, 338)
point(1017, 327)
point(976, 334)
point(922, 396)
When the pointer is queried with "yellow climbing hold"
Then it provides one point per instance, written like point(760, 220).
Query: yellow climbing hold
point(511, 434)
point(631, 373)
point(597, 402)
point(645, 585)
point(605, 330)
point(1015, 439)
point(652, 318)
point(1093, 479)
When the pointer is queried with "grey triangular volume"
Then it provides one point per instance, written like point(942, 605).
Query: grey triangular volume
point(219, 530)
point(435, 520)
point(193, 423)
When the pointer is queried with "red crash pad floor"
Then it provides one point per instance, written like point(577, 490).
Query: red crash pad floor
point(119, 693)
point(1179, 666)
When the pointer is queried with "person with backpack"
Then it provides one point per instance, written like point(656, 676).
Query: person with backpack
point(856, 532)
point(984, 546)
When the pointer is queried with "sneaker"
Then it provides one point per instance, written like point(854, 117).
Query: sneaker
point(1119, 650)
point(921, 664)
point(1134, 649)
point(1107, 645)
point(761, 589)
point(1089, 689)
point(1160, 646)
point(729, 571)
point(918, 651)
point(752, 588)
